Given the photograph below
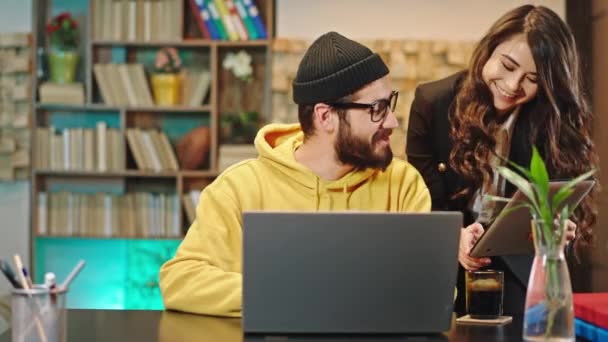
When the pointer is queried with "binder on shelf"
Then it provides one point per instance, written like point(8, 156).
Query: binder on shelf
point(197, 8)
point(254, 14)
point(217, 20)
point(236, 20)
point(240, 7)
point(226, 20)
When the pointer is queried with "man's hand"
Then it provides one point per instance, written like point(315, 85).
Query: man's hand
point(468, 238)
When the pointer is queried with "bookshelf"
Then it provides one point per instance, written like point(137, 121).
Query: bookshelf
point(70, 164)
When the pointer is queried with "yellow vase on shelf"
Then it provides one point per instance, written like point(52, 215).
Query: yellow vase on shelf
point(166, 88)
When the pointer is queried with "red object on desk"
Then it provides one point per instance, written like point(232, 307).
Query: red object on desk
point(592, 308)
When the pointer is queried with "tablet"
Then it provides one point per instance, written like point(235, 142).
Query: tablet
point(511, 233)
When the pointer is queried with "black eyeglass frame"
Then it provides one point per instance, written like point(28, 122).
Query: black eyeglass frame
point(374, 113)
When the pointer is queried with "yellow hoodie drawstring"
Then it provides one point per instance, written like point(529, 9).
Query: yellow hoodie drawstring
point(318, 198)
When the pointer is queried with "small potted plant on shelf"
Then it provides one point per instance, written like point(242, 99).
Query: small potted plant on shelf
point(166, 79)
point(549, 313)
point(239, 127)
point(63, 42)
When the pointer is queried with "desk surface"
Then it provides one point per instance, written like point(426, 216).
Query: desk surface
point(164, 326)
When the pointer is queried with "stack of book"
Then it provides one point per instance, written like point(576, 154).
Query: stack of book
point(68, 93)
point(232, 20)
point(151, 150)
point(591, 312)
point(123, 84)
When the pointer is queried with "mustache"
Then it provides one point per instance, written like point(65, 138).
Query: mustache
point(381, 134)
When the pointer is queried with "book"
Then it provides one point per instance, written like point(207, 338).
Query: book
point(236, 20)
point(590, 332)
point(69, 93)
point(225, 18)
point(254, 14)
point(103, 84)
point(247, 21)
point(217, 20)
point(197, 7)
point(592, 308)
point(199, 82)
point(206, 16)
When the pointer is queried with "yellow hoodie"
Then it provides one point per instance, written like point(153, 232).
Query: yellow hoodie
point(205, 275)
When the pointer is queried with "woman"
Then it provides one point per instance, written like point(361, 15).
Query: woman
point(523, 88)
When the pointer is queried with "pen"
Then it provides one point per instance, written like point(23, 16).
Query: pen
point(9, 274)
point(72, 274)
point(27, 277)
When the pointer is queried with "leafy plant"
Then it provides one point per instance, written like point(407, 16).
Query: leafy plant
point(63, 31)
point(549, 214)
point(534, 184)
point(167, 61)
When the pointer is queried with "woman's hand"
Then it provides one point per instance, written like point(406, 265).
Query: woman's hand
point(570, 230)
point(468, 238)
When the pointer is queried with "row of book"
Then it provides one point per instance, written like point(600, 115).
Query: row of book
point(136, 20)
point(232, 20)
point(138, 214)
point(151, 150)
point(80, 149)
point(127, 85)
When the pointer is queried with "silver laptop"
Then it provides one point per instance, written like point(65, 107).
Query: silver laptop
point(349, 272)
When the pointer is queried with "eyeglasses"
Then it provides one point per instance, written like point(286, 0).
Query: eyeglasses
point(377, 109)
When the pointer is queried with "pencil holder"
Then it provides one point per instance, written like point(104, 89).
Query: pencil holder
point(38, 315)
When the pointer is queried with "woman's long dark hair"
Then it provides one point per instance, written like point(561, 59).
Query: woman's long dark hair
point(558, 120)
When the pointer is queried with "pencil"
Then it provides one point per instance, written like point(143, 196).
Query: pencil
point(26, 287)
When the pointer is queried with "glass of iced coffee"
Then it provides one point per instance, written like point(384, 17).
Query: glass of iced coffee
point(484, 293)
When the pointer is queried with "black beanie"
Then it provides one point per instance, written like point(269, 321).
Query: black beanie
point(333, 67)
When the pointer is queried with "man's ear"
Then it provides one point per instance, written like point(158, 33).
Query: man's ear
point(323, 117)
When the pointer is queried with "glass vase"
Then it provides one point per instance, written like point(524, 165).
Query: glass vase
point(549, 313)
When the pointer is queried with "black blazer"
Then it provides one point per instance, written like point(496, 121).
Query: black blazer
point(428, 149)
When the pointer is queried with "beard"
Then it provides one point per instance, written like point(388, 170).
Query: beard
point(359, 152)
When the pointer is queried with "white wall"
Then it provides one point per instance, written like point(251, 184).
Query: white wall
point(396, 19)
point(15, 16)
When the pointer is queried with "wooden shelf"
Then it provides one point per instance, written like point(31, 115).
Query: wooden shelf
point(103, 107)
point(126, 173)
point(174, 121)
point(197, 173)
point(188, 43)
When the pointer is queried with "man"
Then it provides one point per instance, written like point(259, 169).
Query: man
point(337, 158)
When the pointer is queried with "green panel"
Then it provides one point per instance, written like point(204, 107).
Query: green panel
point(61, 120)
point(114, 186)
point(119, 274)
point(76, 7)
point(118, 54)
point(175, 125)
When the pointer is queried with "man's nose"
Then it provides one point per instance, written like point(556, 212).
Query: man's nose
point(390, 121)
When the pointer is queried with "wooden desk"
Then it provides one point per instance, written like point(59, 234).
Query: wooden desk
point(167, 326)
